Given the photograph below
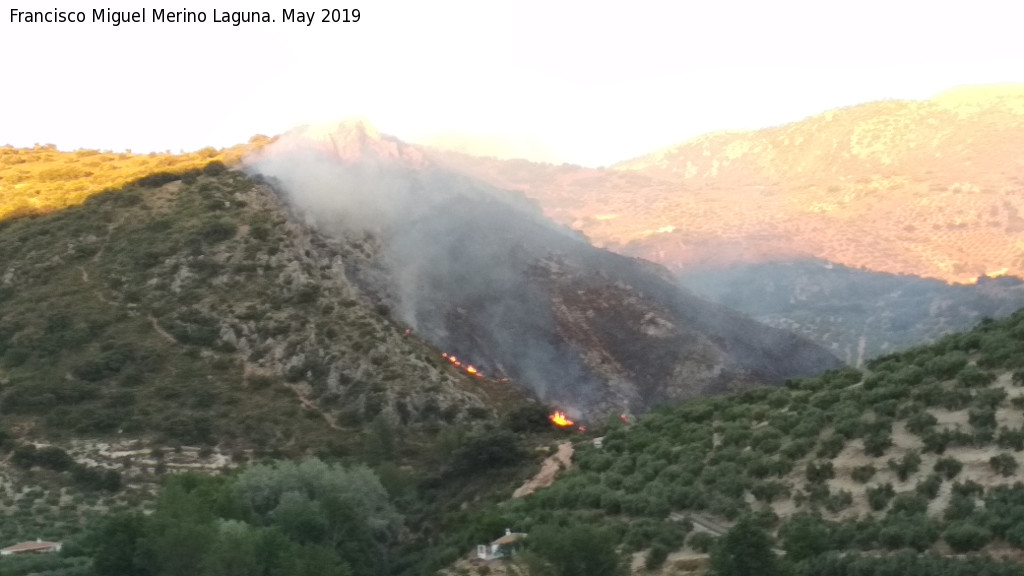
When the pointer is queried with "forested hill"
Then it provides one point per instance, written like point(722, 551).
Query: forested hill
point(921, 451)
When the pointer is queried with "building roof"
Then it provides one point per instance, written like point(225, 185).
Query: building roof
point(31, 546)
point(508, 538)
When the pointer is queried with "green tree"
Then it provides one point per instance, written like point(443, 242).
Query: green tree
point(804, 536)
point(578, 550)
point(746, 550)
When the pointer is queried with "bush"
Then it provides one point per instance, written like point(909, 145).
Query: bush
point(831, 446)
point(217, 230)
point(485, 452)
point(820, 471)
point(972, 377)
point(905, 466)
point(877, 443)
point(963, 537)
point(879, 496)
point(701, 541)
point(929, 487)
point(656, 556)
point(861, 474)
point(1005, 464)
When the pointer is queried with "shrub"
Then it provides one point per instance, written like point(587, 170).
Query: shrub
point(701, 541)
point(929, 487)
point(920, 422)
point(905, 466)
point(862, 474)
point(820, 471)
point(217, 230)
point(972, 377)
point(1005, 464)
point(963, 537)
point(879, 496)
point(877, 443)
point(948, 466)
point(831, 446)
point(656, 556)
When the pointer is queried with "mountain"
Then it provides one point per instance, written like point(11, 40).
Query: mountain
point(857, 314)
point(191, 308)
point(930, 188)
point(483, 275)
point(890, 192)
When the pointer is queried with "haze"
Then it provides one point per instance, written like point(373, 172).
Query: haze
point(590, 83)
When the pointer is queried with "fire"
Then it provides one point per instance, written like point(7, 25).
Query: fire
point(559, 419)
point(454, 361)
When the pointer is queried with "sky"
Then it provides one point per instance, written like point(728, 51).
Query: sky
point(588, 83)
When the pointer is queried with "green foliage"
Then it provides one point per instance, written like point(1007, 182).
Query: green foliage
point(804, 536)
point(305, 519)
point(877, 443)
point(577, 550)
point(486, 452)
point(746, 550)
point(905, 466)
point(905, 564)
point(963, 537)
point(880, 495)
point(701, 541)
point(971, 377)
point(820, 471)
point(1005, 464)
point(861, 474)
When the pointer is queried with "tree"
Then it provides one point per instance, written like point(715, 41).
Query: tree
point(115, 545)
point(804, 536)
point(577, 550)
point(746, 550)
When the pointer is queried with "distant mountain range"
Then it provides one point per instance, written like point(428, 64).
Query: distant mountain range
point(932, 188)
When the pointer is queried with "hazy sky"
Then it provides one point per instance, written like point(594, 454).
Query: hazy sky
point(584, 82)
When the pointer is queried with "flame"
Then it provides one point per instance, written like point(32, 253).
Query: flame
point(471, 370)
point(559, 419)
point(624, 418)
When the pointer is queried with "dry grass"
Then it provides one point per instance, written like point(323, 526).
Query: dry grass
point(42, 179)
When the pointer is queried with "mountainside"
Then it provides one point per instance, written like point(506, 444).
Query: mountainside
point(192, 309)
point(932, 188)
point(919, 452)
point(484, 276)
point(857, 314)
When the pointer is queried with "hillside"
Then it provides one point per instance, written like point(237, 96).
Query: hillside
point(187, 322)
point(484, 276)
point(890, 192)
point(929, 188)
point(856, 314)
point(921, 452)
point(200, 301)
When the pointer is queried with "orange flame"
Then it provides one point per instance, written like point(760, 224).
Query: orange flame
point(559, 419)
point(471, 370)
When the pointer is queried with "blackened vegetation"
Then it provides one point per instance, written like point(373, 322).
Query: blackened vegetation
point(482, 274)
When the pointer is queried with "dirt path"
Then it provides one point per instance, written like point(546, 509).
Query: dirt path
point(159, 330)
point(548, 470)
point(309, 404)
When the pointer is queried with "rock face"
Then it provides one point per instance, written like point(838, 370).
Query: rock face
point(483, 275)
